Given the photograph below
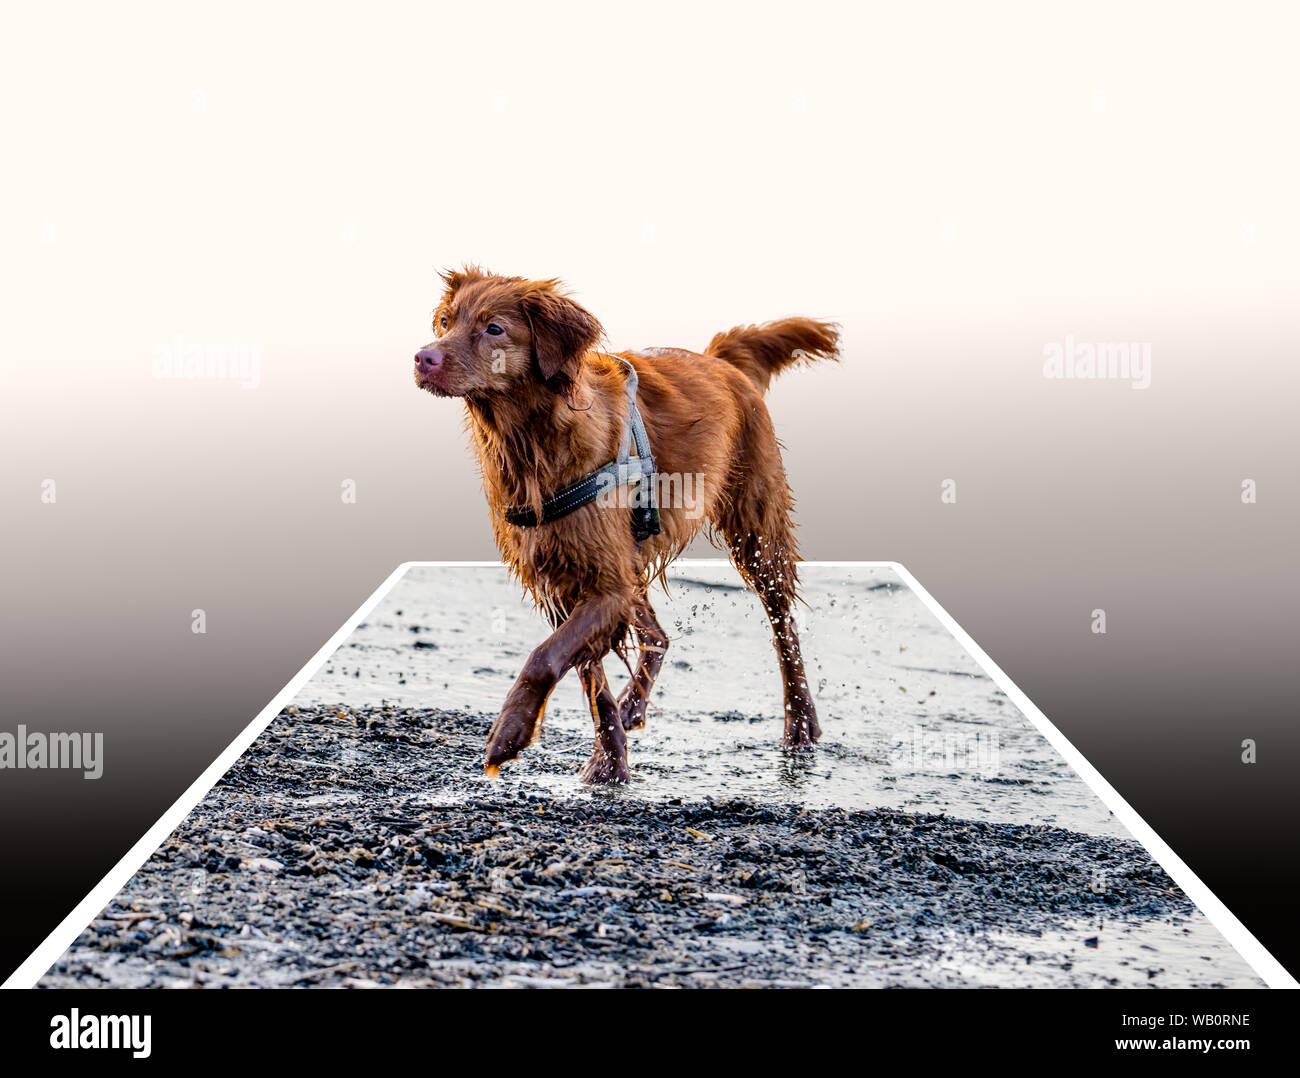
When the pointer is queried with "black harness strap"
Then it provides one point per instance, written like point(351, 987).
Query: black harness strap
point(617, 473)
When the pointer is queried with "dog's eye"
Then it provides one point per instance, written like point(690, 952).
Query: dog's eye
point(494, 330)
point(442, 322)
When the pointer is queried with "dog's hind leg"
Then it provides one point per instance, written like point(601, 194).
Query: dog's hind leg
point(773, 575)
point(652, 645)
point(608, 761)
point(775, 579)
point(755, 519)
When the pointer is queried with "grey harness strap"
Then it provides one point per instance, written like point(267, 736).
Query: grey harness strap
point(618, 473)
point(645, 505)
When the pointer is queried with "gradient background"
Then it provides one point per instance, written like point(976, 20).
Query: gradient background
point(957, 186)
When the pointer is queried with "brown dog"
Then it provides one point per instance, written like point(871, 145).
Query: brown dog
point(545, 409)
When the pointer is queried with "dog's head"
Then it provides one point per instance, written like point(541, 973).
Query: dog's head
point(495, 334)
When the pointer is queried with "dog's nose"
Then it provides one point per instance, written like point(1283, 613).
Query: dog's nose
point(428, 360)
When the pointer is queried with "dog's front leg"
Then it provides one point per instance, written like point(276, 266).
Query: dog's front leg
point(608, 761)
point(586, 633)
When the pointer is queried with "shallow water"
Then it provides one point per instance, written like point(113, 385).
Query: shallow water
point(1186, 952)
point(910, 720)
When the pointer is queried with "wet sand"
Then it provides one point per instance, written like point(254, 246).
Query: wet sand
point(358, 843)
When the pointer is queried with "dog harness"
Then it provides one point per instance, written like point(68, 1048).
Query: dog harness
point(615, 475)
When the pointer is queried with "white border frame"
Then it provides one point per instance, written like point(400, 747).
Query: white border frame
point(1251, 950)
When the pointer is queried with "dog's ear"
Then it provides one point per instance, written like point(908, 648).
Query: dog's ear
point(563, 332)
point(453, 279)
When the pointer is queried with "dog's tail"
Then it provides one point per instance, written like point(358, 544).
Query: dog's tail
point(762, 351)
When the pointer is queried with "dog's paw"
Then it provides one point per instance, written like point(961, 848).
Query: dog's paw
point(631, 711)
point(511, 734)
point(604, 768)
point(801, 732)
